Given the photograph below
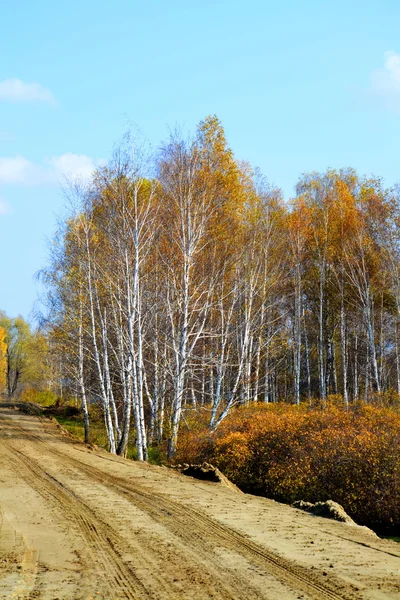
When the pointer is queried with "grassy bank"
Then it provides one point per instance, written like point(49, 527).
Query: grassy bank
point(74, 425)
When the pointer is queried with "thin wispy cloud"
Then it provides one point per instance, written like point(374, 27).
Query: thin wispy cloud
point(4, 207)
point(18, 170)
point(74, 165)
point(15, 90)
point(386, 81)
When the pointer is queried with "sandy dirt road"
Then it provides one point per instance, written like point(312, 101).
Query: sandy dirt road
point(82, 524)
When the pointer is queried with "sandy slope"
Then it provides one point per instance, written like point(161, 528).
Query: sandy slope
point(78, 524)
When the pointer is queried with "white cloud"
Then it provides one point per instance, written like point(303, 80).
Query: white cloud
point(386, 81)
point(74, 165)
point(15, 90)
point(18, 170)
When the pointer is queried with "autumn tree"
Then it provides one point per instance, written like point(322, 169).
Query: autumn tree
point(182, 282)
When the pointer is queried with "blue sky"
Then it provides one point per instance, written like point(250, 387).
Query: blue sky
point(299, 86)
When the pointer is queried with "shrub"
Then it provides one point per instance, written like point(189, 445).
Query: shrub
point(296, 453)
point(44, 398)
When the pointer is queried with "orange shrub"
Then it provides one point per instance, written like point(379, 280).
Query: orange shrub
point(296, 453)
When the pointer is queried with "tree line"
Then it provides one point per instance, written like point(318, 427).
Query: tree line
point(182, 281)
point(26, 370)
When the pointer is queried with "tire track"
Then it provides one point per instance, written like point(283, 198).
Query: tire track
point(213, 583)
point(176, 517)
point(121, 580)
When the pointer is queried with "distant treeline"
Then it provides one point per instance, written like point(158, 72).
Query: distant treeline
point(26, 371)
point(182, 280)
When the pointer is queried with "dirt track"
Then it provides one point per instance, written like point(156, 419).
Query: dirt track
point(78, 524)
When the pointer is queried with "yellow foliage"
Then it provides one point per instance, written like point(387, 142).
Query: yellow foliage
point(296, 453)
point(3, 359)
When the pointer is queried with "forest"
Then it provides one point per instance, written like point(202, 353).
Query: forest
point(185, 294)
